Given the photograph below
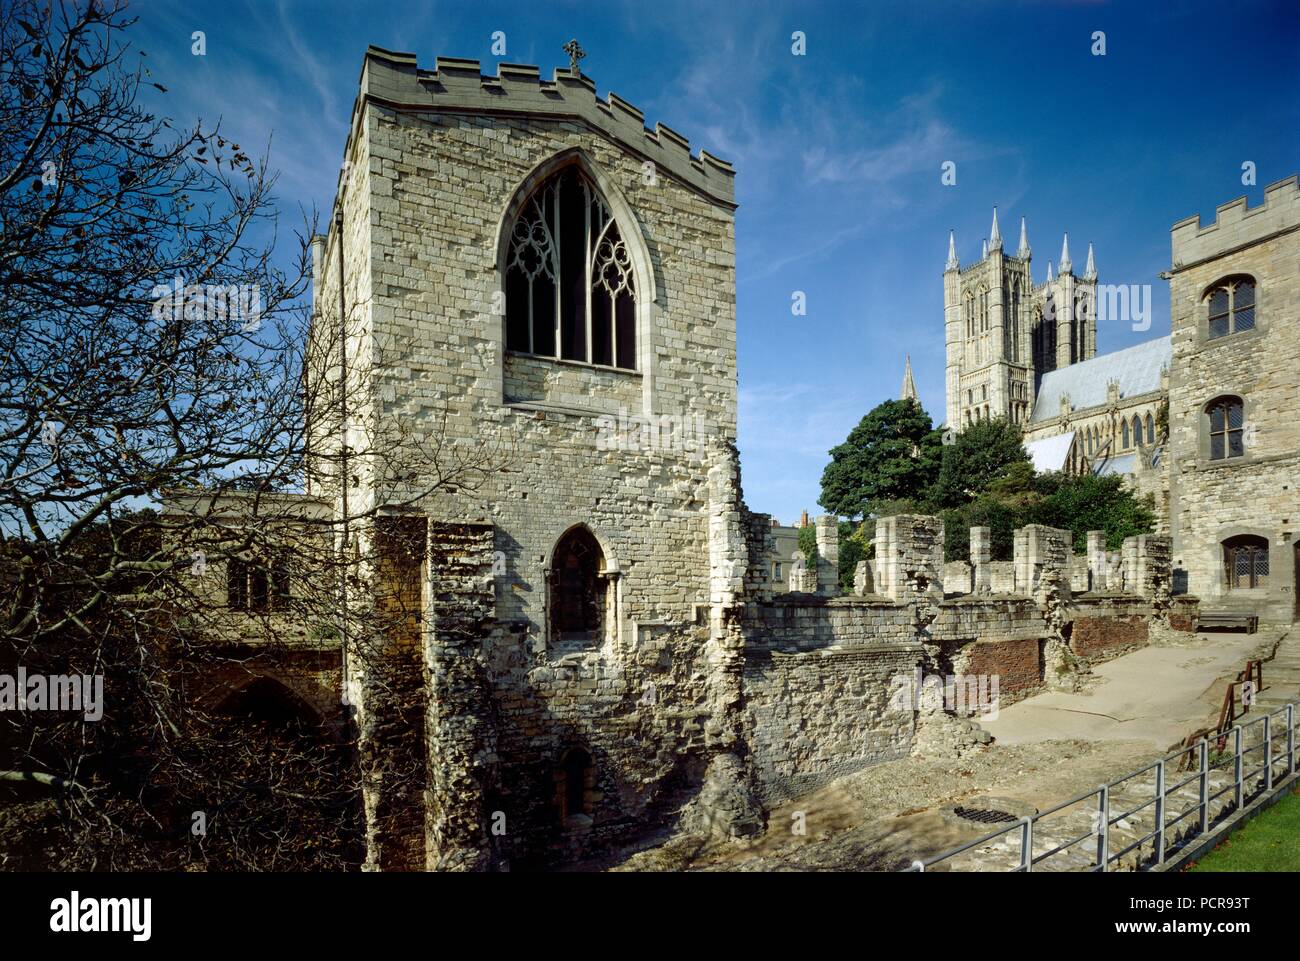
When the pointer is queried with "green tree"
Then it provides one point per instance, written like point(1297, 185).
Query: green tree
point(892, 454)
point(808, 544)
point(855, 544)
point(987, 510)
point(981, 455)
point(1090, 503)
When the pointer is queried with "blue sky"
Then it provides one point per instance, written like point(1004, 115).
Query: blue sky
point(838, 152)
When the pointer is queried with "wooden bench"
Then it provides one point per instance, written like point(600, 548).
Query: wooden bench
point(1228, 620)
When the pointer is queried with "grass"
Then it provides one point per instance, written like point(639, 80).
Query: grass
point(1270, 842)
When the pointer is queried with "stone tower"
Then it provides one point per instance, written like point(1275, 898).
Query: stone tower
point(1234, 439)
point(525, 289)
point(1003, 332)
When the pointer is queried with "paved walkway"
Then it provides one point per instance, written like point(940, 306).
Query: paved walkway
point(1155, 694)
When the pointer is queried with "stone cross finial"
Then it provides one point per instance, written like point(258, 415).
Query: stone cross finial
point(576, 53)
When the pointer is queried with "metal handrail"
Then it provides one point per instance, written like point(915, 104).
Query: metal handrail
point(1247, 788)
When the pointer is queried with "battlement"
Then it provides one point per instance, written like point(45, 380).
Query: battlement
point(1236, 224)
point(395, 81)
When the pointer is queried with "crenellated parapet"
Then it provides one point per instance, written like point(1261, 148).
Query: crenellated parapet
point(1236, 224)
point(394, 80)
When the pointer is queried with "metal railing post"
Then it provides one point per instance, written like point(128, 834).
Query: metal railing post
point(1103, 827)
point(1290, 739)
point(1237, 765)
point(1268, 752)
point(1027, 844)
point(1205, 786)
point(1160, 812)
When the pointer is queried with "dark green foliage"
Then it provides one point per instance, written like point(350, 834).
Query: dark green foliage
point(984, 478)
point(891, 454)
point(854, 546)
point(985, 511)
point(1088, 503)
point(808, 544)
point(979, 456)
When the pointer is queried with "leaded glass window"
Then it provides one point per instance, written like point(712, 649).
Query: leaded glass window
point(570, 289)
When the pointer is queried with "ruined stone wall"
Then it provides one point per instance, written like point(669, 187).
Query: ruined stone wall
point(815, 715)
point(1017, 664)
point(810, 622)
point(386, 665)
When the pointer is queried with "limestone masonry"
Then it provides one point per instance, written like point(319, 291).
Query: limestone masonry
point(593, 637)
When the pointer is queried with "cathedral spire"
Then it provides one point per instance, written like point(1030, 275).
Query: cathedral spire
point(995, 235)
point(909, 385)
point(1066, 266)
point(1023, 251)
point(984, 250)
point(952, 263)
point(1049, 272)
point(1090, 271)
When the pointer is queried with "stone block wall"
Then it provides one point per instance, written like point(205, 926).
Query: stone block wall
point(958, 577)
point(815, 715)
point(909, 557)
point(1254, 494)
point(1038, 549)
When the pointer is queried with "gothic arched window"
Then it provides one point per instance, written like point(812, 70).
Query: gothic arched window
point(1245, 560)
point(258, 585)
point(1231, 306)
point(1137, 431)
point(1226, 424)
point(570, 290)
point(1124, 445)
point(1015, 320)
point(1151, 430)
point(577, 588)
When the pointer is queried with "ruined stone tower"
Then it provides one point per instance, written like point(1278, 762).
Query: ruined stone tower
point(1003, 332)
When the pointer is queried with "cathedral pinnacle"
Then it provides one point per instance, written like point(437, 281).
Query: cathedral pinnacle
point(1023, 250)
point(909, 385)
point(952, 263)
point(995, 235)
point(1066, 266)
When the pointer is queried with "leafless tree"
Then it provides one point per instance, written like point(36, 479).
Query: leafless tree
point(170, 412)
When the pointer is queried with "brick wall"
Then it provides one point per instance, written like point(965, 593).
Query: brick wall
point(1099, 638)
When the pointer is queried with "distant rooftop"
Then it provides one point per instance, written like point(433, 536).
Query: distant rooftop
point(1136, 368)
point(1050, 452)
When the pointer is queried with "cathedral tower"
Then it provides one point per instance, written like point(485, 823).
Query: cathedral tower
point(1003, 332)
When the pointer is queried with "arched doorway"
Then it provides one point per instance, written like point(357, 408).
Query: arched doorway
point(268, 702)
